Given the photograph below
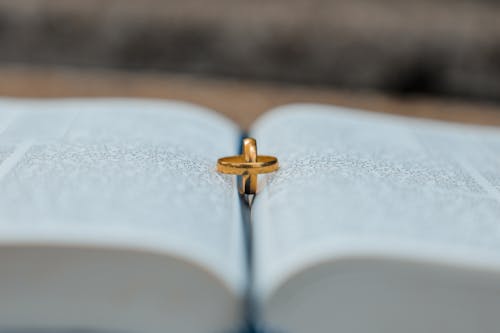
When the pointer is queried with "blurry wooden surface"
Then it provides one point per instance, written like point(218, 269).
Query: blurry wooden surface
point(440, 47)
point(242, 101)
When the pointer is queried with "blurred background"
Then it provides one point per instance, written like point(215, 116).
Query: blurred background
point(431, 58)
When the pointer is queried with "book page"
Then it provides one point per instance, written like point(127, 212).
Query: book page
point(124, 173)
point(355, 183)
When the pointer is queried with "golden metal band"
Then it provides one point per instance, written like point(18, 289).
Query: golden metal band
point(248, 165)
point(234, 165)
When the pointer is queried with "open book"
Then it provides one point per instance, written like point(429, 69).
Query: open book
point(113, 218)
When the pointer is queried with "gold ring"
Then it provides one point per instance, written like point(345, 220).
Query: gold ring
point(248, 165)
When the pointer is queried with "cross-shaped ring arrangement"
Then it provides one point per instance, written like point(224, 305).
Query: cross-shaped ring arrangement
point(247, 165)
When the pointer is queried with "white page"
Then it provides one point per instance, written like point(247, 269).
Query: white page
point(354, 183)
point(119, 172)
